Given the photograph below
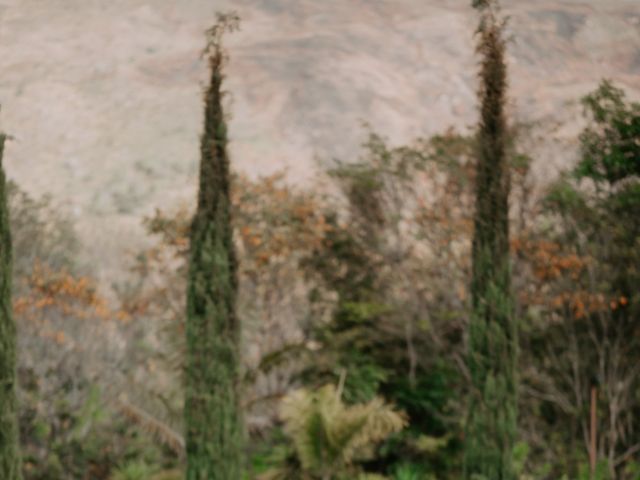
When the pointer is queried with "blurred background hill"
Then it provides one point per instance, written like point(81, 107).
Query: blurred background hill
point(104, 97)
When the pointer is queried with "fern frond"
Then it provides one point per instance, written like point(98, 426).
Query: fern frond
point(328, 435)
point(154, 427)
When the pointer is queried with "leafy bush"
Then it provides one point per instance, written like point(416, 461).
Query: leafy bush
point(329, 437)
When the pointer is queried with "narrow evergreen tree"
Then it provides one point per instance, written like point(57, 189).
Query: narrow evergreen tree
point(9, 445)
point(491, 423)
point(213, 421)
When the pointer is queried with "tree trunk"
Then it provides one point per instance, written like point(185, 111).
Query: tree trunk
point(10, 468)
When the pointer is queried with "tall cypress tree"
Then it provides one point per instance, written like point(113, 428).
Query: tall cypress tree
point(214, 427)
point(492, 416)
point(9, 445)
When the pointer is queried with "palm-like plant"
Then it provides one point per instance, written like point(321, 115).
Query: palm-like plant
point(329, 436)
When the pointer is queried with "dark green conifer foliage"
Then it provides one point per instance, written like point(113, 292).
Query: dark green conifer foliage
point(491, 424)
point(9, 444)
point(214, 427)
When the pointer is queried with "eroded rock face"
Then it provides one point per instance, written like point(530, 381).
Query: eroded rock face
point(104, 96)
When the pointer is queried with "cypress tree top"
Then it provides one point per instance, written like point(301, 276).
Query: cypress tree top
point(213, 421)
point(491, 425)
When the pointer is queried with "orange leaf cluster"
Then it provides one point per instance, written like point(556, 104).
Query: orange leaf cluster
point(548, 260)
point(72, 295)
point(275, 221)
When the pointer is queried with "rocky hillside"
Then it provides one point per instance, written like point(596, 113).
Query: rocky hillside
point(103, 97)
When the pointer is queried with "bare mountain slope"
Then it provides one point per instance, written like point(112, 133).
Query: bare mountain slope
point(103, 96)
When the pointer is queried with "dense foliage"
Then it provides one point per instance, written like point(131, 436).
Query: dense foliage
point(584, 310)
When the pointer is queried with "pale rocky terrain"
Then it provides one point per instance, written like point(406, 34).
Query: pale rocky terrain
point(103, 97)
